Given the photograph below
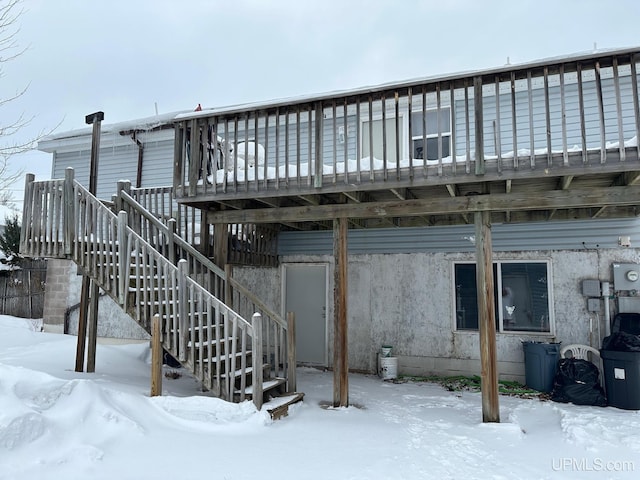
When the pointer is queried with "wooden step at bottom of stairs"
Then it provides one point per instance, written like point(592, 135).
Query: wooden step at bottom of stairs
point(267, 385)
point(278, 407)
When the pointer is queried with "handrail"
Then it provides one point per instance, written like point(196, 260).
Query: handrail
point(143, 282)
point(200, 259)
point(177, 239)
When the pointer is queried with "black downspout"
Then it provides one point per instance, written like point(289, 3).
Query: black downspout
point(140, 156)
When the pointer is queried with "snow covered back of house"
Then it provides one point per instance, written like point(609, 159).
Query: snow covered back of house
point(56, 423)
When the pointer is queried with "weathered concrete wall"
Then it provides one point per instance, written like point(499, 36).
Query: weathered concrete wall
point(63, 295)
point(406, 300)
point(56, 292)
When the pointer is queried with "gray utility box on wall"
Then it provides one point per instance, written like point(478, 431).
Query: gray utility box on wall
point(626, 276)
point(591, 288)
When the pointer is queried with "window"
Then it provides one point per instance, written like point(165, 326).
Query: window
point(524, 301)
point(435, 123)
point(375, 127)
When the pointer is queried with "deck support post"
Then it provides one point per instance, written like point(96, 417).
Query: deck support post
point(204, 233)
point(94, 119)
point(82, 323)
point(221, 244)
point(486, 318)
point(291, 352)
point(340, 345)
point(257, 360)
point(156, 356)
point(93, 326)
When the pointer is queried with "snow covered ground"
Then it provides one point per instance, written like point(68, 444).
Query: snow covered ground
point(59, 424)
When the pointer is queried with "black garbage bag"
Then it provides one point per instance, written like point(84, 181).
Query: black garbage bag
point(577, 382)
point(621, 342)
point(169, 361)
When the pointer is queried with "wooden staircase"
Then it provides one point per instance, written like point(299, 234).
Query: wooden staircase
point(243, 354)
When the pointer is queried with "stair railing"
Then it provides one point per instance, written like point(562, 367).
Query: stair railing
point(62, 219)
point(278, 346)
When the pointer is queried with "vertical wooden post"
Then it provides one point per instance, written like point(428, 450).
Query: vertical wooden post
point(122, 186)
point(204, 233)
point(486, 318)
point(291, 352)
point(26, 245)
point(123, 259)
point(156, 356)
point(228, 292)
point(183, 310)
point(93, 326)
point(340, 345)
point(171, 245)
point(317, 173)
point(479, 125)
point(221, 244)
point(69, 213)
point(82, 324)
point(93, 119)
point(256, 360)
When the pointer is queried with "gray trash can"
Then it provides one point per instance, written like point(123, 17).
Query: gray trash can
point(621, 363)
point(622, 378)
point(540, 364)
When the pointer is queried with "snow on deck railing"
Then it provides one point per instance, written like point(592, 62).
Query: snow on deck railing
point(569, 112)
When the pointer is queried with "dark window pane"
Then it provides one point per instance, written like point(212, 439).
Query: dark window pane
point(432, 148)
point(466, 298)
point(525, 300)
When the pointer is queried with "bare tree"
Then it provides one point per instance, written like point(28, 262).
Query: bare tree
point(10, 13)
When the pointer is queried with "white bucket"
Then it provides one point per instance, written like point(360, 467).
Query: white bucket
point(389, 368)
point(386, 351)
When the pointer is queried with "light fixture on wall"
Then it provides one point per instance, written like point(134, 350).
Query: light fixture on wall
point(624, 241)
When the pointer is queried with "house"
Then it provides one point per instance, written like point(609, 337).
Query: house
point(377, 215)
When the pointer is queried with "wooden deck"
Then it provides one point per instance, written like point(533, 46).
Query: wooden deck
point(547, 140)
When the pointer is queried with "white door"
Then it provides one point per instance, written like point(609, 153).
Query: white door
point(306, 295)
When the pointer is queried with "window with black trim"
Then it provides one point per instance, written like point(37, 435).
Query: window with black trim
point(437, 135)
point(524, 301)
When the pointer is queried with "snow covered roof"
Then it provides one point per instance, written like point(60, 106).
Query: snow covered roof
point(205, 112)
point(156, 121)
point(144, 124)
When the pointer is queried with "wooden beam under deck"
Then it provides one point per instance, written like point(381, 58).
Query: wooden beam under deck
point(500, 202)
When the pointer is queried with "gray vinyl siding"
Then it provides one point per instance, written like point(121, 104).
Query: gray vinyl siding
point(114, 163)
point(157, 164)
point(120, 163)
point(575, 235)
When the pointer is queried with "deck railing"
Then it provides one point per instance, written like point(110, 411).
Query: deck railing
point(560, 113)
point(247, 244)
point(62, 219)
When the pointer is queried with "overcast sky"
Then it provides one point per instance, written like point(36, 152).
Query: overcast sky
point(125, 57)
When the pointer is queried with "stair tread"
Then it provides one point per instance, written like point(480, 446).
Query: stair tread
point(209, 343)
point(247, 371)
point(267, 385)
